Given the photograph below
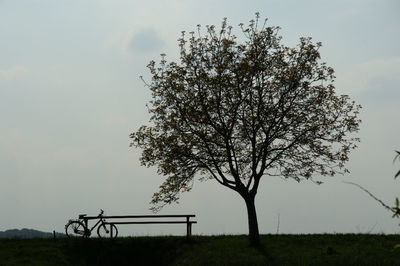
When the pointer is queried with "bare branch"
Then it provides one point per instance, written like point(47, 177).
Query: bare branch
point(371, 195)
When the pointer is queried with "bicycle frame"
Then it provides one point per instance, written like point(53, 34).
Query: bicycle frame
point(85, 221)
point(88, 231)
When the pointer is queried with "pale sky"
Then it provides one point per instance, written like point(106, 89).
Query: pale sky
point(70, 95)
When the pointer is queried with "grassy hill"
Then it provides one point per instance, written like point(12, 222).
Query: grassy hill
point(348, 249)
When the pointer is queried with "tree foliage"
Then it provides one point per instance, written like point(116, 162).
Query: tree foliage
point(238, 109)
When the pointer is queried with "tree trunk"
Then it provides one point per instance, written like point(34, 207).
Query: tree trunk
point(254, 235)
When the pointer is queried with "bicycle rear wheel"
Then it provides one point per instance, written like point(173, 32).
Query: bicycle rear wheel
point(75, 229)
point(106, 230)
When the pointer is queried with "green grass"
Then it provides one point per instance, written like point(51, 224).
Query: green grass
point(338, 249)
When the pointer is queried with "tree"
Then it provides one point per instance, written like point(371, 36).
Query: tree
point(238, 111)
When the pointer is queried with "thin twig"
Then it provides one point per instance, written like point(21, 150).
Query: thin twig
point(373, 196)
point(372, 228)
point(279, 221)
point(145, 83)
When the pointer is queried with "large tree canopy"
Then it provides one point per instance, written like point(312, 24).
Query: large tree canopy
point(238, 109)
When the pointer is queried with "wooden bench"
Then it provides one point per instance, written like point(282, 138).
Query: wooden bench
point(149, 219)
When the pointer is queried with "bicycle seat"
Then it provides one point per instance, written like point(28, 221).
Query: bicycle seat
point(82, 215)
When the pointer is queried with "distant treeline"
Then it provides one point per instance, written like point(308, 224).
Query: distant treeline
point(28, 233)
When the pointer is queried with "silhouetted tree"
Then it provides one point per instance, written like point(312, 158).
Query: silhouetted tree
point(238, 111)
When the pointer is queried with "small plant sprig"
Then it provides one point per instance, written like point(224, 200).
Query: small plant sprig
point(394, 160)
point(396, 209)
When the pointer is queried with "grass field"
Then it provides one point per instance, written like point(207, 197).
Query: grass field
point(338, 249)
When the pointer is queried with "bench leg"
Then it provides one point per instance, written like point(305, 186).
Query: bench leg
point(188, 230)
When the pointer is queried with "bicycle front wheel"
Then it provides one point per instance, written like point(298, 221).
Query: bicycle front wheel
point(106, 230)
point(75, 229)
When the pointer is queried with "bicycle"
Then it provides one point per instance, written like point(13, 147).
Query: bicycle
point(80, 228)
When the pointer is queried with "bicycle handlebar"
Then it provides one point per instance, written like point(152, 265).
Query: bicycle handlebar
point(101, 212)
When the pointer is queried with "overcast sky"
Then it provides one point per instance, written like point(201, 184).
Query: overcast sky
point(70, 95)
